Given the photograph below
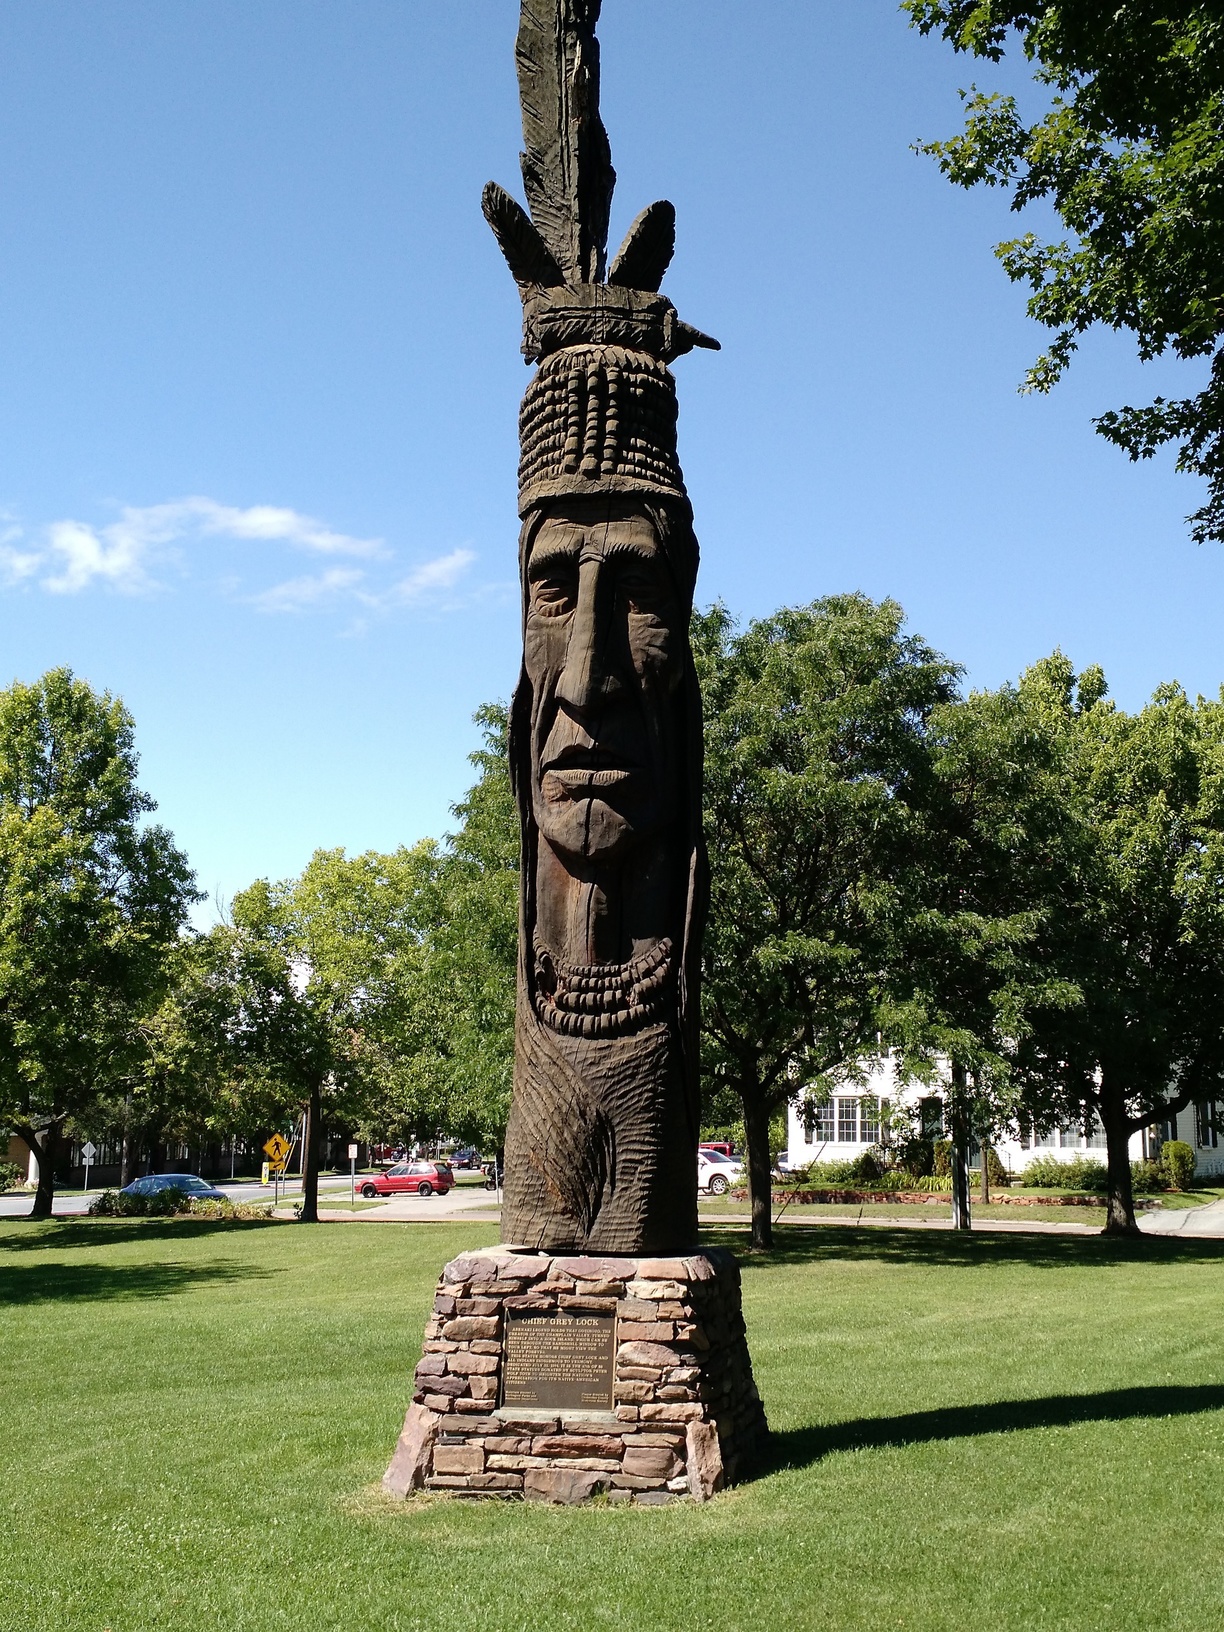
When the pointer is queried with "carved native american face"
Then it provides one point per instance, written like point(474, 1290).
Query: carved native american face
point(604, 652)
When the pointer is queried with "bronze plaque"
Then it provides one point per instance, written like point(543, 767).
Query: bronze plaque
point(559, 1362)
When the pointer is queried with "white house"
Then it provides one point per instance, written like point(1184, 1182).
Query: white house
point(850, 1123)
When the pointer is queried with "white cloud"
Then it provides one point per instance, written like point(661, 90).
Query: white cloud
point(299, 594)
point(430, 579)
point(16, 566)
point(129, 555)
point(115, 557)
point(75, 555)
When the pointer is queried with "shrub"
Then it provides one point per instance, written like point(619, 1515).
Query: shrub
point(229, 1209)
point(916, 1156)
point(11, 1176)
point(170, 1204)
point(1148, 1178)
point(114, 1204)
point(1080, 1173)
point(942, 1162)
point(998, 1173)
point(868, 1168)
point(832, 1173)
point(1177, 1159)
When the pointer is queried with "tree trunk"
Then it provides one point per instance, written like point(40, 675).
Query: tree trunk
point(984, 1192)
point(45, 1151)
point(129, 1157)
point(310, 1159)
point(1120, 1212)
point(760, 1186)
point(959, 1130)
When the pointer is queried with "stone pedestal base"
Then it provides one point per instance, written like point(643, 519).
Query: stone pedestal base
point(682, 1416)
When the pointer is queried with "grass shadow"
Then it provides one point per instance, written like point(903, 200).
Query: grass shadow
point(949, 1249)
point(800, 1447)
point(85, 1283)
point(31, 1235)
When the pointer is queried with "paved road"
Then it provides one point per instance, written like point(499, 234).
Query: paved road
point(1204, 1221)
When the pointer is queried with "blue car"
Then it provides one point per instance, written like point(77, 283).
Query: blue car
point(195, 1188)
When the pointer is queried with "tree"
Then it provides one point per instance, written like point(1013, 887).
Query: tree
point(815, 723)
point(1130, 153)
point(294, 1020)
point(991, 871)
point(380, 988)
point(1140, 927)
point(92, 901)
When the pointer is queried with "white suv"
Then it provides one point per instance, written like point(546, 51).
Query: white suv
point(716, 1173)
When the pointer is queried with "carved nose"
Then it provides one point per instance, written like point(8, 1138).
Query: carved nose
point(588, 680)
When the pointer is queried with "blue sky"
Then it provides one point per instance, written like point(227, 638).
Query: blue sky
point(259, 378)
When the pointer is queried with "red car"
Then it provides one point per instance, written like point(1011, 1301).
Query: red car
point(410, 1178)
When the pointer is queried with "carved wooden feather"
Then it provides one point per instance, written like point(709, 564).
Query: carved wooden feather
point(526, 253)
point(567, 163)
point(644, 257)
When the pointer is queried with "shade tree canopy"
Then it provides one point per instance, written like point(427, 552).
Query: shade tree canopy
point(93, 898)
point(1126, 143)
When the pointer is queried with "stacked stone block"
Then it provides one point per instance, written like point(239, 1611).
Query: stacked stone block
point(686, 1415)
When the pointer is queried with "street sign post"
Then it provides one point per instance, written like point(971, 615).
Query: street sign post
point(277, 1148)
point(353, 1175)
point(88, 1151)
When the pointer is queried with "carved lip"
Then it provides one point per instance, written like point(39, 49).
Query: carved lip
point(588, 760)
point(575, 777)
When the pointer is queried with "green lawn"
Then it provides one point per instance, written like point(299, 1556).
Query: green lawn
point(820, 1212)
point(999, 1431)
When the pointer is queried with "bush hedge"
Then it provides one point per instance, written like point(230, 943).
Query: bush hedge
point(172, 1203)
point(12, 1177)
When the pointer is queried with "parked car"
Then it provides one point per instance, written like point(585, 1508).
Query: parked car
point(723, 1145)
point(410, 1178)
point(190, 1184)
point(716, 1172)
point(465, 1157)
point(783, 1163)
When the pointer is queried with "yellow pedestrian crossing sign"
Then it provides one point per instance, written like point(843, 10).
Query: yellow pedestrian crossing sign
point(277, 1149)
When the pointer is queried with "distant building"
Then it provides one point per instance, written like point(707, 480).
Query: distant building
point(850, 1123)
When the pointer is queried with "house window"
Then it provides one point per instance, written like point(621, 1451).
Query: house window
point(930, 1112)
point(869, 1121)
point(1207, 1125)
point(847, 1121)
point(1045, 1139)
point(1096, 1134)
point(818, 1122)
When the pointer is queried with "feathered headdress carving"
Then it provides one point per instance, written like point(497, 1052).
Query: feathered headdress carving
point(561, 247)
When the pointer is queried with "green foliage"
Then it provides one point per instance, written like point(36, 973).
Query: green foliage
point(1049, 1173)
point(1128, 149)
point(12, 1176)
point(916, 1156)
point(998, 1173)
point(941, 1165)
point(92, 901)
point(1177, 1159)
point(161, 1204)
point(814, 746)
point(1149, 1178)
point(1136, 923)
point(172, 1203)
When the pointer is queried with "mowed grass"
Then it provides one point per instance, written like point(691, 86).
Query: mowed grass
point(999, 1431)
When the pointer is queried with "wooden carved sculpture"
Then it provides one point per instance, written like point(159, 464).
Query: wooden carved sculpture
point(605, 738)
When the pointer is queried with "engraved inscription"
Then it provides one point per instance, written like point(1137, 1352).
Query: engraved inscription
point(560, 1362)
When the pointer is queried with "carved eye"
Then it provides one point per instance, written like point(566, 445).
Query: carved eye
point(642, 591)
point(554, 594)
